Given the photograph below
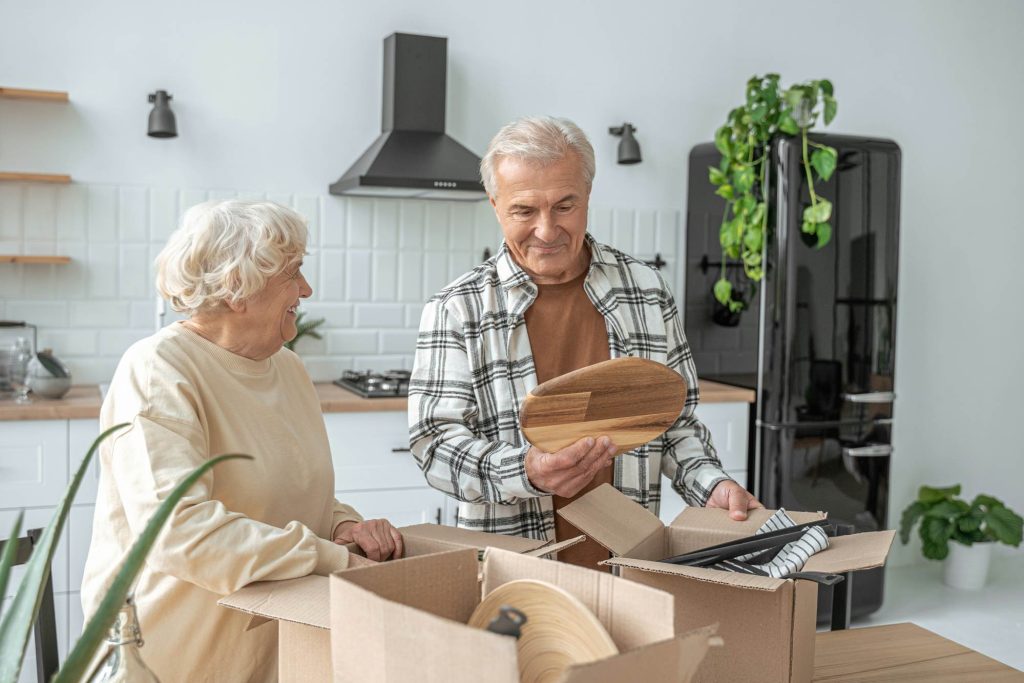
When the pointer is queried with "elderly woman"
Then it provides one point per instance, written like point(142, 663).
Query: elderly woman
point(220, 382)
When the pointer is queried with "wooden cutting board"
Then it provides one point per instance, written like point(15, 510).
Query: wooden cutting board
point(630, 400)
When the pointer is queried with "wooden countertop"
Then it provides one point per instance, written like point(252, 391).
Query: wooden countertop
point(83, 402)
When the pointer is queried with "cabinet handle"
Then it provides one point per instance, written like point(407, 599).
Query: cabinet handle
point(872, 451)
point(438, 517)
point(401, 450)
point(871, 397)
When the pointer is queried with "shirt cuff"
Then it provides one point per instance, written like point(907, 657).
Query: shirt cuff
point(516, 484)
point(330, 557)
point(699, 483)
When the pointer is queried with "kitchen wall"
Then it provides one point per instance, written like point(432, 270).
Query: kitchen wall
point(282, 97)
point(372, 264)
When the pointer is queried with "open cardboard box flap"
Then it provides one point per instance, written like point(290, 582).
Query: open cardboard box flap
point(632, 533)
point(301, 601)
point(675, 660)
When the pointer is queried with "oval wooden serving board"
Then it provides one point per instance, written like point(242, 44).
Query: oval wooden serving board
point(630, 400)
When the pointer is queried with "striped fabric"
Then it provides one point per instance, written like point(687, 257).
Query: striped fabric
point(789, 559)
point(474, 366)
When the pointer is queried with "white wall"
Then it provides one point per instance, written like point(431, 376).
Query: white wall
point(282, 97)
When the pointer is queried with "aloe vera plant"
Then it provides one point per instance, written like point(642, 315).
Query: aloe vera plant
point(17, 623)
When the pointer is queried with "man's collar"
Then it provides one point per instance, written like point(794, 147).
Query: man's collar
point(511, 274)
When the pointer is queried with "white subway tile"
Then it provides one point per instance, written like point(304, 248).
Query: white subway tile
point(133, 214)
point(413, 313)
point(280, 198)
point(10, 211)
point(435, 234)
point(39, 248)
point(164, 213)
point(333, 223)
point(378, 363)
point(460, 227)
point(189, 198)
point(352, 342)
point(360, 222)
point(335, 315)
point(37, 280)
point(413, 214)
point(92, 370)
point(332, 275)
point(40, 213)
point(325, 368)
point(601, 225)
point(310, 345)
point(104, 314)
point(143, 314)
point(71, 279)
point(669, 232)
point(357, 275)
point(102, 213)
point(10, 280)
point(410, 276)
point(102, 273)
point(460, 263)
point(72, 203)
point(251, 195)
point(116, 342)
point(435, 272)
point(41, 313)
point(623, 228)
point(309, 207)
point(380, 315)
point(644, 242)
point(135, 282)
point(385, 276)
point(385, 223)
point(487, 230)
point(222, 195)
point(68, 343)
point(398, 341)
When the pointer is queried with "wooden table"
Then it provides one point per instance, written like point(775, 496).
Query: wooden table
point(901, 652)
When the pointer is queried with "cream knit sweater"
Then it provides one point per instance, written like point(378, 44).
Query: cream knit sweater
point(271, 518)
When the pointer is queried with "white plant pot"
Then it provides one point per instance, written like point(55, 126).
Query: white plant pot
point(967, 566)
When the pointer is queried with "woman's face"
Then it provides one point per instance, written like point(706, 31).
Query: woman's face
point(272, 310)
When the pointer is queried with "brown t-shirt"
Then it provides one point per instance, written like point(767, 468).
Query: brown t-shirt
point(567, 333)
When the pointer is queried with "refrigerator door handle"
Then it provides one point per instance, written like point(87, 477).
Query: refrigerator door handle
point(871, 397)
point(873, 451)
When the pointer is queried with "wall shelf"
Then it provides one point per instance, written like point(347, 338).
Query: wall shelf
point(33, 259)
point(59, 178)
point(40, 95)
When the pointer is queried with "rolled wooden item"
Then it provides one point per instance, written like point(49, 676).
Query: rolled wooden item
point(630, 400)
point(559, 631)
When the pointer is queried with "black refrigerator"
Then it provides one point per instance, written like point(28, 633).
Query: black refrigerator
point(822, 359)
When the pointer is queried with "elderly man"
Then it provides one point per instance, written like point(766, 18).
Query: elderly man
point(552, 300)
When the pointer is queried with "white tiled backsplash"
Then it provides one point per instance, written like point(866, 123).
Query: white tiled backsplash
point(372, 263)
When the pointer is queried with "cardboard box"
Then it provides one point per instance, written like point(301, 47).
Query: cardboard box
point(301, 607)
point(406, 621)
point(768, 624)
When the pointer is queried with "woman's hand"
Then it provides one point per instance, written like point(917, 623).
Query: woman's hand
point(376, 537)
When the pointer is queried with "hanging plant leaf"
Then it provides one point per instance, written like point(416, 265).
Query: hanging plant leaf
point(787, 124)
point(820, 212)
point(825, 86)
point(723, 291)
point(824, 232)
point(743, 181)
point(715, 176)
point(824, 162)
point(722, 141)
point(725, 191)
point(830, 108)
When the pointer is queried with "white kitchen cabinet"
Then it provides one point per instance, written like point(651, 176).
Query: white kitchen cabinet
point(728, 423)
point(370, 451)
point(81, 434)
point(401, 507)
point(33, 463)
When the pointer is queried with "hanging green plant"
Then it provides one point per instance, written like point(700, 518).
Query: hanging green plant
point(742, 175)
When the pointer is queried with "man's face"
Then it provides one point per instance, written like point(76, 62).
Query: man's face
point(543, 215)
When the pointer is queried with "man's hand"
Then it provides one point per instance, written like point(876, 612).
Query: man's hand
point(730, 496)
point(566, 472)
point(377, 538)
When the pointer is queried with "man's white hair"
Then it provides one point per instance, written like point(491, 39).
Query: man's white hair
point(226, 251)
point(537, 139)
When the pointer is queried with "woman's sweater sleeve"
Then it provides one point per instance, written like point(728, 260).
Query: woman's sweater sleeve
point(203, 542)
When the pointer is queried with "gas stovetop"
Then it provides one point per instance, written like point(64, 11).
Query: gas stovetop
point(369, 384)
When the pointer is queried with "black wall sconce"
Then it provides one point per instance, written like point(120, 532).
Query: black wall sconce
point(161, 119)
point(629, 148)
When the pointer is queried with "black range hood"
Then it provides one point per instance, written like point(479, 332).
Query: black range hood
point(413, 157)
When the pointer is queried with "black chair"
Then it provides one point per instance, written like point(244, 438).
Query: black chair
point(45, 628)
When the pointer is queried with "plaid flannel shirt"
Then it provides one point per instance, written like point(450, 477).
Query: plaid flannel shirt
point(474, 366)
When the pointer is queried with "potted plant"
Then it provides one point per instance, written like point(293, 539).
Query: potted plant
point(741, 178)
point(305, 328)
point(16, 625)
point(973, 527)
